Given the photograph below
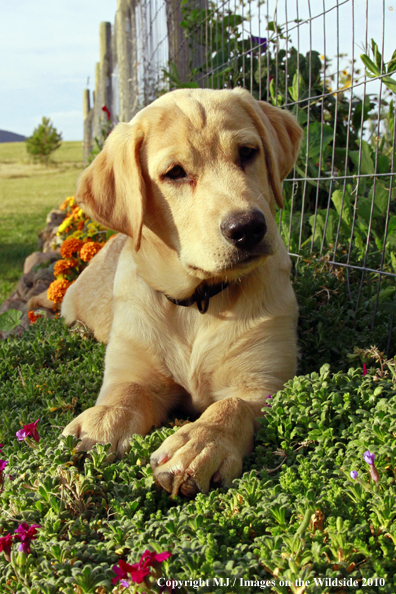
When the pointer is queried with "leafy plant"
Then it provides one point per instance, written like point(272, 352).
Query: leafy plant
point(10, 320)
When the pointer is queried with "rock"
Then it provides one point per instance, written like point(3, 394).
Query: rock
point(45, 274)
point(24, 285)
point(38, 287)
point(48, 235)
point(35, 279)
point(55, 217)
point(13, 302)
point(53, 242)
point(38, 258)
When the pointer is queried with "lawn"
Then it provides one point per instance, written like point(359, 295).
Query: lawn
point(28, 191)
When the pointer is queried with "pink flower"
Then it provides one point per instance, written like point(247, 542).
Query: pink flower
point(121, 572)
point(364, 369)
point(3, 464)
point(152, 557)
point(138, 571)
point(29, 430)
point(5, 545)
point(26, 534)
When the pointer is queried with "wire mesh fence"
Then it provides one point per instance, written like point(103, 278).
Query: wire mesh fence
point(333, 64)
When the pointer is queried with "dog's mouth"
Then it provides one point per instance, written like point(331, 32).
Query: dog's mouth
point(240, 263)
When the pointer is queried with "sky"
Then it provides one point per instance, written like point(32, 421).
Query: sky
point(48, 50)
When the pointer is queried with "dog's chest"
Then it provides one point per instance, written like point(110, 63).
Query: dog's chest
point(194, 351)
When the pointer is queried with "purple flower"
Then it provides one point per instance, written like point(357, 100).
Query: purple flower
point(26, 534)
point(3, 464)
point(29, 430)
point(354, 474)
point(369, 458)
point(259, 43)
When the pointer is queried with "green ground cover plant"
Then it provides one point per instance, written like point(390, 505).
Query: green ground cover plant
point(28, 192)
point(295, 513)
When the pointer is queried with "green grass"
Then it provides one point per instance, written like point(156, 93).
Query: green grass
point(28, 191)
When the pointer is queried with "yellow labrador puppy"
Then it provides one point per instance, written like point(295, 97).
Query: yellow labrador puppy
point(194, 296)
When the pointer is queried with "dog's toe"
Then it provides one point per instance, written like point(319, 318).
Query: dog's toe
point(164, 480)
point(189, 488)
point(195, 458)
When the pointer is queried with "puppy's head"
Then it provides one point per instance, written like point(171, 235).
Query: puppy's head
point(202, 170)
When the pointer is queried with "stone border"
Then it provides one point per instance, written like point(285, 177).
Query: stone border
point(38, 272)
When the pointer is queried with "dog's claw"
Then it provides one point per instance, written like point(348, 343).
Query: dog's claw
point(165, 480)
point(189, 488)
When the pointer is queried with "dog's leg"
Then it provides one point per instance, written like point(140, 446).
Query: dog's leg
point(134, 397)
point(125, 411)
point(212, 448)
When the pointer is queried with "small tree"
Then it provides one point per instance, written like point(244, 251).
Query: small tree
point(44, 141)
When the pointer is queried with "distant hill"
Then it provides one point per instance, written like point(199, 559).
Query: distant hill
point(10, 137)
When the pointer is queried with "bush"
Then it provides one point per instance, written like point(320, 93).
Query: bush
point(44, 141)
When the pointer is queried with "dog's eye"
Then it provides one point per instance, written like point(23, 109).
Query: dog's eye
point(246, 153)
point(176, 172)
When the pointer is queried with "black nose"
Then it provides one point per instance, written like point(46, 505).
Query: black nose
point(244, 229)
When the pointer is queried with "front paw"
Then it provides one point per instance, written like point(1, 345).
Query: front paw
point(104, 424)
point(196, 455)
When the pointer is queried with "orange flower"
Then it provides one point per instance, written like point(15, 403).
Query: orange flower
point(32, 317)
point(57, 289)
point(62, 266)
point(71, 246)
point(89, 249)
point(67, 202)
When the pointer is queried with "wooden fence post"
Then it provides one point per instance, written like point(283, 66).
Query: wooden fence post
point(133, 60)
point(103, 70)
point(123, 27)
point(179, 51)
point(88, 117)
point(105, 65)
point(177, 42)
point(97, 103)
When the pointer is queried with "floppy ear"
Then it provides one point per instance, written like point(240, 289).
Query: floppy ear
point(281, 136)
point(112, 189)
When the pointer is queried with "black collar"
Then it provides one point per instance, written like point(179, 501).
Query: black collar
point(200, 296)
